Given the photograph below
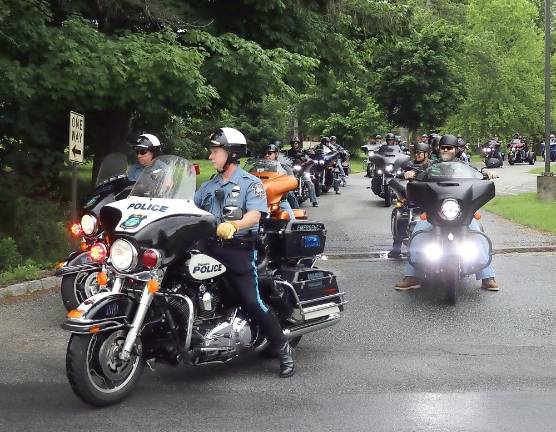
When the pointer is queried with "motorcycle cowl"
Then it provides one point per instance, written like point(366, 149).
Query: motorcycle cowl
point(102, 312)
point(78, 262)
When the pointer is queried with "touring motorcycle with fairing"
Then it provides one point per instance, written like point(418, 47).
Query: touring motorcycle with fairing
point(176, 305)
point(388, 161)
point(450, 195)
point(79, 272)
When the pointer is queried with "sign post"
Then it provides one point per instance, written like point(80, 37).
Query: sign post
point(75, 152)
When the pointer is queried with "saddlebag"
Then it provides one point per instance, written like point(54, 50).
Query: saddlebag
point(301, 239)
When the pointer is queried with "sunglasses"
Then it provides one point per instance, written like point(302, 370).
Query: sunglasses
point(269, 153)
point(141, 152)
point(447, 148)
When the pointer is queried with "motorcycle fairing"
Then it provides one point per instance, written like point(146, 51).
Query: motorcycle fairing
point(77, 262)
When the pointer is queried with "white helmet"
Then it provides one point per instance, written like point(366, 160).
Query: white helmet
point(148, 142)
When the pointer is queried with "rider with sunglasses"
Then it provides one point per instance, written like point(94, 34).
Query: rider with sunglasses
point(147, 148)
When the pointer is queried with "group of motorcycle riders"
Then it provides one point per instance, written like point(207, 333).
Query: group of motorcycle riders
point(233, 185)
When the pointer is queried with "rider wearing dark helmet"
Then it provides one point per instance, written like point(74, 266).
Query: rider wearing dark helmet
point(234, 186)
point(298, 156)
point(448, 145)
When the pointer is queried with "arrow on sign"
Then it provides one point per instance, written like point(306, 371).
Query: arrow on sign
point(75, 151)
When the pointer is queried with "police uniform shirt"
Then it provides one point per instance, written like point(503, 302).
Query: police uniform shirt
point(242, 190)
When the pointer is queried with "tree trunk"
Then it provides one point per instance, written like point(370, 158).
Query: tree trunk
point(110, 130)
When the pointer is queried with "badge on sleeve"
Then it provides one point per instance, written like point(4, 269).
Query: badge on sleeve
point(259, 190)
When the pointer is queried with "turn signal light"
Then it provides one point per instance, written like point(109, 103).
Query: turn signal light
point(94, 329)
point(477, 215)
point(83, 246)
point(102, 278)
point(76, 230)
point(75, 313)
point(59, 265)
point(423, 216)
point(153, 286)
point(98, 252)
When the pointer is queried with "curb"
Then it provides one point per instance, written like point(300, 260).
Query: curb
point(29, 286)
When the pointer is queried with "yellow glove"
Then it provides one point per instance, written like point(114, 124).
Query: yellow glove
point(226, 230)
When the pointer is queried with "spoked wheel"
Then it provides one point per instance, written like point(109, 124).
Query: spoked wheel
point(451, 287)
point(95, 371)
point(78, 287)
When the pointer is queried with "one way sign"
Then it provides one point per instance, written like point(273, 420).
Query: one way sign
point(76, 137)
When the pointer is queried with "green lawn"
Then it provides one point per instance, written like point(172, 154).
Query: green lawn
point(527, 210)
point(540, 170)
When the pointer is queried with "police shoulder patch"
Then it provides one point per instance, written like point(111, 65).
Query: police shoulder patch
point(258, 190)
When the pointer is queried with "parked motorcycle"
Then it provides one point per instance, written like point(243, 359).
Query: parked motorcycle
point(493, 158)
point(388, 162)
point(449, 193)
point(181, 309)
point(79, 272)
point(518, 152)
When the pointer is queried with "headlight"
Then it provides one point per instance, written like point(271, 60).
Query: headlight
point(297, 167)
point(488, 150)
point(433, 251)
point(379, 172)
point(450, 209)
point(371, 153)
point(307, 176)
point(123, 255)
point(89, 224)
point(321, 162)
point(389, 168)
point(399, 172)
point(468, 250)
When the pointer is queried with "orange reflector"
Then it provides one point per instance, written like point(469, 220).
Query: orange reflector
point(423, 216)
point(153, 286)
point(477, 215)
point(94, 329)
point(75, 313)
point(83, 246)
point(76, 230)
point(102, 278)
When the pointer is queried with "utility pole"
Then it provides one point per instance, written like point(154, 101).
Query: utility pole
point(547, 95)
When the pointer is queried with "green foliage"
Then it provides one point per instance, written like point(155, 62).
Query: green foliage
point(9, 255)
point(27, 271)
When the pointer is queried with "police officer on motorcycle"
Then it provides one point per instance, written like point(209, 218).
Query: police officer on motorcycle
point(147, 148)
point(448, 147)
point(232, 186)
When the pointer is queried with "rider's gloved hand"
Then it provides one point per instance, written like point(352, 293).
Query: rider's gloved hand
point(226, 230)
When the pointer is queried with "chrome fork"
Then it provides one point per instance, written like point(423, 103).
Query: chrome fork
point(144, 303)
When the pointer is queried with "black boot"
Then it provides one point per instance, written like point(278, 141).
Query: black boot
point(287, 366)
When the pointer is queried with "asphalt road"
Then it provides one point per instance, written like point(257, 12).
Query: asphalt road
point(397, 361)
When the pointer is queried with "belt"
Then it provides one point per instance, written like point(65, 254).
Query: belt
point(238, 243)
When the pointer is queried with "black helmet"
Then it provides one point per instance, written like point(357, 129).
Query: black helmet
point(147, 142)
point(324, 140)
point(231, 140)
point(422, 147)
point(295, 139)
point(272, 147)
point(449, 140)
point(390, 136)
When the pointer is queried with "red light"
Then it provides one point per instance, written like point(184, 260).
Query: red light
point(150, 258)
point(83, 246)
point(197, 168)
point(330, 290)
point(76, 230)
point(98, 252)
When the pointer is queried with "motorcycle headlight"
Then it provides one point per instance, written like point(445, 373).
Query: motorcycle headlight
point(297, 167)
point(371, 153)
point(488, 150)
point(123, 255)
point(379, 172)
point(321, 162)
point(433, 251)
point(450, 209)
point(89, 224)
point(399, 172)
point(468, 250)
point(389, 168)
point(307, 176)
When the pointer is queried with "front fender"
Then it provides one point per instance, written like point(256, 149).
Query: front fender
point(77, 262)
point(101, 312)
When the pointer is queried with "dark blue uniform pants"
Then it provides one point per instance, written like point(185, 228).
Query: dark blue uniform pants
point(241, 269)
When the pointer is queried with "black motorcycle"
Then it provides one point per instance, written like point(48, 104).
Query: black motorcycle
point(79, 272)
point(388, 161)
point(176, 305)
point(370, 150)
point(325, 171)
point(493, 158)
point(302, 169)
point(450, 193)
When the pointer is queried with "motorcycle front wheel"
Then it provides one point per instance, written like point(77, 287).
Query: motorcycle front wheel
point(95, 371)
point(387, 196)
point(78, 287)
point(451, 287)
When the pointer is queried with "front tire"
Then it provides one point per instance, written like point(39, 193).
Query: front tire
point(451, 287)
point(387, 196)
point(95, 372)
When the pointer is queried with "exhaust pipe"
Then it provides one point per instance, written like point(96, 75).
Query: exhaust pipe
point(299, 330)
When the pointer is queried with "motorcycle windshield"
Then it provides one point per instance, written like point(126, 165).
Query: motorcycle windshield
point(449, 170)
point(263, 165)
point(113, 166)
point(169, 177)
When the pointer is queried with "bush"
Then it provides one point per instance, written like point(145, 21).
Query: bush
point(9, 255)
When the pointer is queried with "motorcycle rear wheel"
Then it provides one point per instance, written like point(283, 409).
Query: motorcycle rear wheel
point(94, 370)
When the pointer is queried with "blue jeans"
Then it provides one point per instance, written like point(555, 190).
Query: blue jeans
point(311, 188)
point(487, 272)
point(285, 205)
point(341, 169)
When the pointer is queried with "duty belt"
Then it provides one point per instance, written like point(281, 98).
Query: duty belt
point(240, 243)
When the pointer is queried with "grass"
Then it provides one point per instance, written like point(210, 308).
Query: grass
point(527, 210)
point(540, 170)
point(25, 272)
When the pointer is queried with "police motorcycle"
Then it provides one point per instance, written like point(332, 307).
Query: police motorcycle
point(518, 152)
point(450, 195)
point(80, 270)
point(176, 306)
point(388, 161)
point(325, 172)
point(493, 158)
point(369, 150)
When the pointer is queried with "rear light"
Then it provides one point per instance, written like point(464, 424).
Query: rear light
point(151, 258)
point(98, 252)
point(76, 230)
point(330, 290)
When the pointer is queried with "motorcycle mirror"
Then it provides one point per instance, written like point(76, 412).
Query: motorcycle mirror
point(232, 213)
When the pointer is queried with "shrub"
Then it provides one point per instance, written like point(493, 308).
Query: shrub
point(9, 255)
